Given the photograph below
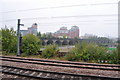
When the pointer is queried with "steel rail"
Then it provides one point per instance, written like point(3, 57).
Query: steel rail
point(50, 64)
point(24, 75)
point(58, 73)
point(75, 63)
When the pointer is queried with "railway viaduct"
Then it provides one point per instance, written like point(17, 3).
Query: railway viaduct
point(59, 41)
point(69, 41)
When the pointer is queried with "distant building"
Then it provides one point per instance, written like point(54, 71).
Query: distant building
point(31, 30)
point(63, 32)
point(74, 32)
point(24, 32)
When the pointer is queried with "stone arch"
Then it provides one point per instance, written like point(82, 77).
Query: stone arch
point(65, 42)
point(49, 42)
point(76, 41)
point(58, 42)
point(71, 42)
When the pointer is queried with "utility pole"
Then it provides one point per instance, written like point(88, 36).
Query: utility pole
point(18, 38)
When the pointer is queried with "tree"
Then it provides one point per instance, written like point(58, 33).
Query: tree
point(30, 44)
point(44, 35)
point(50, 51)
point(39, 35)
point(9, 40)
point(49, 35)
point(86, 51)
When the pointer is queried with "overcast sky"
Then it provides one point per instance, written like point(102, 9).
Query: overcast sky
point(98, 17)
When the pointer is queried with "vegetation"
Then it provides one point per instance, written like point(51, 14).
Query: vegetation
point(39, 35)
point(113, 57)
point(44, 35)
point(48, 35)
point(9, 40)
point(30, 44)
point(92, 53)
point(50, 51)
point(88, 52)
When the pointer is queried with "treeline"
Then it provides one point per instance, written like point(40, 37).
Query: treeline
point(8, 40)
point(31, 44)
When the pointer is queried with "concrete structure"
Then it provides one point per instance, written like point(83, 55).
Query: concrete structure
point(63, 32)
point(31, 30)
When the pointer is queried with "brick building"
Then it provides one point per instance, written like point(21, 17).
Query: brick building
point(63, 32)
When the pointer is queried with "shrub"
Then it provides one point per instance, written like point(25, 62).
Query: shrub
point(86, 51)
point(50, 51)
point(72, 57)
point(9, 40)
point(30, 44)
point(114, 57)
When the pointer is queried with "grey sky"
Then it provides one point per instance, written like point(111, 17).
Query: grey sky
point(98, 17)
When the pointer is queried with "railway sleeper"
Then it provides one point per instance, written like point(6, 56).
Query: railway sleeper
point(48, 75)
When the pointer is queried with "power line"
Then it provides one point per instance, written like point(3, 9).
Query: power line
point(59, 7)
point(51, 24)
point(86, 16)
point(63, 22)
point(67, 22)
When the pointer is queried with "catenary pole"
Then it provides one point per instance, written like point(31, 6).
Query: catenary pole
point(18, 38)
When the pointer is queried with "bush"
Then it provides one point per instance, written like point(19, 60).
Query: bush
point(86, 51)
point(30, 44)
point(114, 57)
point(9, 40)
point(50, 51)
point(72, 57)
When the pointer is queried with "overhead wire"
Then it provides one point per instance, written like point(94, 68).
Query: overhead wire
point(86, 16)
point(59, 7)
point(55, 17)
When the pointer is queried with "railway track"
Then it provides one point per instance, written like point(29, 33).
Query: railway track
point(62, 64)
point(50, 75)
point(76, 63)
